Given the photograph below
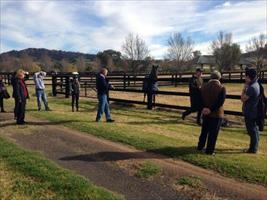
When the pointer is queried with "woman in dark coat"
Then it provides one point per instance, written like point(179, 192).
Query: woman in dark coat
point(20, 94)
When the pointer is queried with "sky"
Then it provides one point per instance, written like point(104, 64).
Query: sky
point(93, 26)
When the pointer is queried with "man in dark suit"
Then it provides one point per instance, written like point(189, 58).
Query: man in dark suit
point(195, 85)
point(102, 87)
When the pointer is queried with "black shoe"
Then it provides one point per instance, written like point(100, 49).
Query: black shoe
point(48, 109)
point(21, 122)
point(110, 120)
point(249, 151)
point(39, 109)
point(210, 153)
point(97, 120)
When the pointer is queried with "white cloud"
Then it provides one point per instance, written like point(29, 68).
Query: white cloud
point(66, 25)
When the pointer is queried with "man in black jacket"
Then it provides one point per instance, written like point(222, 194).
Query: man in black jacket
point(102, 87)
point(195, 85)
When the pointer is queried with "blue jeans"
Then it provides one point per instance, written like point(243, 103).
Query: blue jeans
point(253, 133)
point(103, 106)
point(41, 96)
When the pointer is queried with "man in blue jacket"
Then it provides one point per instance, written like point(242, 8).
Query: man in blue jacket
point(102, 87)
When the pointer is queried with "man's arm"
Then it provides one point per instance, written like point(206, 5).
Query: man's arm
point(246, 94)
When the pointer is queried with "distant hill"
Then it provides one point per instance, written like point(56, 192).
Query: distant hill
point(34, 58)
point(37, 54)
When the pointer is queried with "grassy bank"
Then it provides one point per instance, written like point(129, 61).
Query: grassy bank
point(26, 175)
point(165, 133)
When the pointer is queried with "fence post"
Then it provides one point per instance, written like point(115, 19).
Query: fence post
point(175, 82)
point(229, 76)
point(128, 80)
point(85, 89)
point(67, 87)
point(54, 85)
point(124, 81)
point(241, 75)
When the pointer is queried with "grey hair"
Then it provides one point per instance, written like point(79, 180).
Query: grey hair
point(215, 75)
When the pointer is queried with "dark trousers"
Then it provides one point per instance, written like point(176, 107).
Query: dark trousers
point(253, 133)
point(21, 111)
point(150, 99)
point(210, 129)
point(191, 110)
point(75, 101)
point(2, 103)
point(16, 108)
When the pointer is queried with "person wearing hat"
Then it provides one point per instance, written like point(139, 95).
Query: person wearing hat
point(213, 97)
point(195, 85)
point(21, 94)
point(38, 78)
point(250, 98)
point(75, 91)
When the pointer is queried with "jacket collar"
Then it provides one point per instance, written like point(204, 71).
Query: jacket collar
point(215, 81)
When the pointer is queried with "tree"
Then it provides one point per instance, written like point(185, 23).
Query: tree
point(27, 63)
point(134, 50)
point(67, 66)
point(257, 48)
point(110, 58)
point(46, 62)
point(226, 53)
point(80, 63)
point(180, 50)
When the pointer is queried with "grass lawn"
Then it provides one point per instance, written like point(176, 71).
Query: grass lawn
point(163, 132)
point(26, 175)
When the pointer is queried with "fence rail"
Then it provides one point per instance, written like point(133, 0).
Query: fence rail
point(126, 82)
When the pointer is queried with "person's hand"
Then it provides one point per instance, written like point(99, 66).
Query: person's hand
point(206, 111)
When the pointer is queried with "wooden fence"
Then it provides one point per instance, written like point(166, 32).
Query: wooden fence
point(131, 83)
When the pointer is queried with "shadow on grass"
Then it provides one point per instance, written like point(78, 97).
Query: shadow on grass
point(38, 123)
point(116, 156)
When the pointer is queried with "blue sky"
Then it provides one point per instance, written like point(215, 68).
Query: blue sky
point(92, 26)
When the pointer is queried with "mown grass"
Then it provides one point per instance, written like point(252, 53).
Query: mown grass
point(147, 170)
point(192, 181)
point(26, 175)
point(165, 133)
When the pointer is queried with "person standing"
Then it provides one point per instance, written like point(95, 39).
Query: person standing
point(102, 87)
point(75, 92)
point(38, 78)
point(195, 85)
point(21, 95)
point(3, 92)
point(213, 97)
point(152, 86)
point(250, 98)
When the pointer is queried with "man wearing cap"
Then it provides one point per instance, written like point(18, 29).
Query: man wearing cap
point(38, 78)
point(250, 98)
point(213, 97)
point(195, 85)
